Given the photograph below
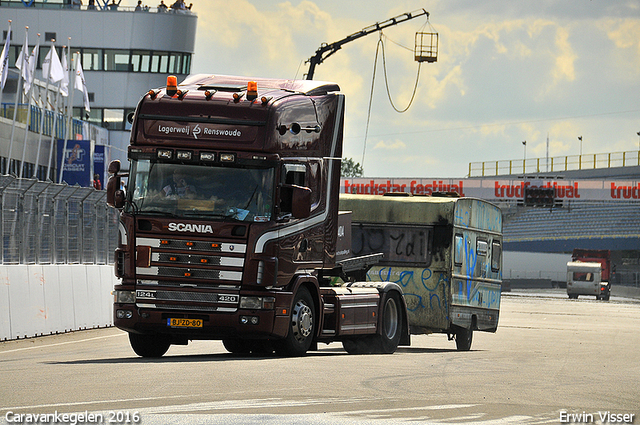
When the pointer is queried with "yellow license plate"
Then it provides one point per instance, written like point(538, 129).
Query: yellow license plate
point(184, 323)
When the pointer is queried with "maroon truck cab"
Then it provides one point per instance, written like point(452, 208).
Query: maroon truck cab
point(229, 221)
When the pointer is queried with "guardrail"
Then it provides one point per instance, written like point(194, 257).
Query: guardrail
point(554, 164)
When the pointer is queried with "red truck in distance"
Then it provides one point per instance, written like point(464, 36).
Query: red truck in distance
point(595, 281)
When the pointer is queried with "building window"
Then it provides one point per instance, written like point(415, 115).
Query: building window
point(114, 119)
point(117, 60)
point(92, 59)
point(140, 60)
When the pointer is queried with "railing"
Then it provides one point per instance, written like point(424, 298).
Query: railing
point(100, 6)
point(554, 164)
point(48, 223)
point(35, 118)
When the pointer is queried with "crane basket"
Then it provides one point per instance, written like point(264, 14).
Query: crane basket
point(426, 49)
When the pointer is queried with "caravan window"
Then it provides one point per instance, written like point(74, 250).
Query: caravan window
point(496, 255)
point(482, 247)
point(458, 254)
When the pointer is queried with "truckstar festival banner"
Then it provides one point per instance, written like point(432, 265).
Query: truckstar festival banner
point(498, 189)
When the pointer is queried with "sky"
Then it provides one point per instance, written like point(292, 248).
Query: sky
point(507, 72)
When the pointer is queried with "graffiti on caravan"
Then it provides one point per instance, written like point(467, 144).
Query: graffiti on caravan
point(415, 187)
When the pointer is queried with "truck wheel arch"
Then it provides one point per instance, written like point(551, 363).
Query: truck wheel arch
point(386, 289)
point(312, 285)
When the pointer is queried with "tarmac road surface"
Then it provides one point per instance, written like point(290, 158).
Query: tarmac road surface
point(550, 359)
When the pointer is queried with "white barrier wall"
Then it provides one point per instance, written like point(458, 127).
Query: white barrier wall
point(47, 299)
point(535, 265)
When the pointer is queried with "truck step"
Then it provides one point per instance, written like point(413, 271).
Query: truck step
point(329, 308)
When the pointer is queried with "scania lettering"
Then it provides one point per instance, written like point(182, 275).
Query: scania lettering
point(229, 224)
point(195, 228)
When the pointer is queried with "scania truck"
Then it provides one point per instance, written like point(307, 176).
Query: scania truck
point(229, 226)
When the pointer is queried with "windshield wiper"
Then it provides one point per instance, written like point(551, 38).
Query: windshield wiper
point(157, 212)
point(207, 214)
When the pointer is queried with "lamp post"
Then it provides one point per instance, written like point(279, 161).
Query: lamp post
point(638, 133)
point(580, 138)
point(524, 161)
point(580, 157)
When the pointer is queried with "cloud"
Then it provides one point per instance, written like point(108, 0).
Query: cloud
point(565, 59)
point(506, 72)
point(396, 145)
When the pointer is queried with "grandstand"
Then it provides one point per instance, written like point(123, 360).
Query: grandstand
point(576, 223)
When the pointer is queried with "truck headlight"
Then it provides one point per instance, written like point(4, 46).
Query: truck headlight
point(257, 303)
point(124, 297)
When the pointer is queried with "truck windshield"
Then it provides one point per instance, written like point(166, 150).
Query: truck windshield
point(243, 194)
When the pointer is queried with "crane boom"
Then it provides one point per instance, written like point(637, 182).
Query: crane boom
point(326, 50)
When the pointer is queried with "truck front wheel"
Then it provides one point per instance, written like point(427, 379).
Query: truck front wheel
point(149, 345)
point(301, 327)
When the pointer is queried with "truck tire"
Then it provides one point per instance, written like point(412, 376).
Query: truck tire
point(301, 327)
point(390, 325)
point(386, 342)
point(464, 337)
point(149, 345)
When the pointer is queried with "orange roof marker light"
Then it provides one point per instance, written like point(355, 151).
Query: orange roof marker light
point(252, 90)
point(172, 85)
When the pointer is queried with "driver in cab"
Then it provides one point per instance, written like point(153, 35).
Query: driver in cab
point(179, 187)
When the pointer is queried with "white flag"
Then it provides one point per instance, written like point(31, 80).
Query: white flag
point(4, 59)
point(51, 67)
point(64, 87)
point(32, 61)
point(81, 85)
point(22, 63)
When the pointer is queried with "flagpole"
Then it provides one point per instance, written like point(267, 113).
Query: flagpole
point(44, 109)
point(53, 131)
point(34, 56)
point(67, 112)
point(55, 123)
point(15, 106)
point(4, 65)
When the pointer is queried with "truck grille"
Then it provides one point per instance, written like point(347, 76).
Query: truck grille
point(176, 300)
point(194, 262)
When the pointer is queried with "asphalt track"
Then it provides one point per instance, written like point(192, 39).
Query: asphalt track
point(550, 358)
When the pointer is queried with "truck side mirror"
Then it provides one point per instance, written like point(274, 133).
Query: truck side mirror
point(115, 196)
point(114, 167)
point(295, 200)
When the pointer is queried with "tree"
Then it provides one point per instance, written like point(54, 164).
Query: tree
point(350, 168)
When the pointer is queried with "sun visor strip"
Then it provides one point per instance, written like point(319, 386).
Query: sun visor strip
point(203, 120)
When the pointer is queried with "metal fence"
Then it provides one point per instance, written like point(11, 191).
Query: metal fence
point(48, 223)
point(554, 164)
